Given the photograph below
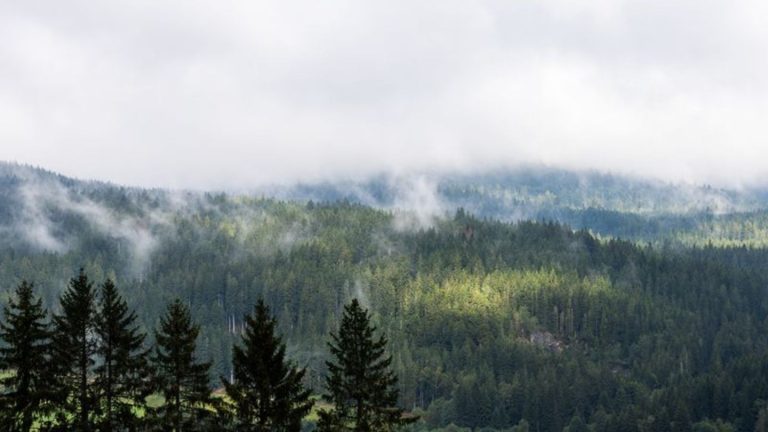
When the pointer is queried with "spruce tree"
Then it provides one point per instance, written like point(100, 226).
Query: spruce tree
point(267, 391)
point(121, 377)
point(74, 343)
point(26, 353)
point(180, 377)
point(360, 384)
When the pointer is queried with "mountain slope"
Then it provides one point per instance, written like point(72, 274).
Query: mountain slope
point(491, 323)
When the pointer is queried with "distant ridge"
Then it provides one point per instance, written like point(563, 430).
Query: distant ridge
point(532, 192)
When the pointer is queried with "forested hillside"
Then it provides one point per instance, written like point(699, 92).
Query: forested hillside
point(608, 205)
point(496, 324)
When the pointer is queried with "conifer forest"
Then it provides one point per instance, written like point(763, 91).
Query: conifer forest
point(383, 216)
point(138, 309)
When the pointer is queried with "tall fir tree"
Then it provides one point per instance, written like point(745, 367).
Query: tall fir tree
point(26, 353)
point(267, 390)
point(74, 343)
point(360, 385)
point(121, 378)
point(180, 377)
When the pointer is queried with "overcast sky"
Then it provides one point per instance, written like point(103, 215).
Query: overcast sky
point(209, 94)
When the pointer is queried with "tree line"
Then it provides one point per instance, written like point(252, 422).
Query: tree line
point(90, 368)
point(652, 337)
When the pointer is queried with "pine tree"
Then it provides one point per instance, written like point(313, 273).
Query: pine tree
point(25, 352)
point(74, 345)
point(360, 385)
point(180, 377)
point(267, 390)
point(121, 377)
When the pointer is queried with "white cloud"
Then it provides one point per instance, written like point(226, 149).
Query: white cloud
point(237, 93)
point(417, 204)
point(39, 196)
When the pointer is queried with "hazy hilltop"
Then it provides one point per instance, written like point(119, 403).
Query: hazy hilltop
point(557, 212)
point(507, 298)
point(524, 192)
point(36, 204)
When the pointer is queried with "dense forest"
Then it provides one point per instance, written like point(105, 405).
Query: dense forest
point(88, 369)
point(607, 318)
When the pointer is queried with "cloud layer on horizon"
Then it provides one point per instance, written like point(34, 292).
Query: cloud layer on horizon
point(239, 93)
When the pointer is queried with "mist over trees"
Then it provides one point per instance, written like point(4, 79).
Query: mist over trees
point(490, 324)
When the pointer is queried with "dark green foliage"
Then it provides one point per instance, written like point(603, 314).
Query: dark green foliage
point(577, 424)
point(25, 353)
point(360, 384)
point(121, 377)
point(267, 391)
point(75, 346)
point(532, 322)
point(180, 377)
point(637, 326)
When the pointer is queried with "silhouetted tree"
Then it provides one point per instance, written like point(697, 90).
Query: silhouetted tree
point(75, 345)
point(181, 378)
point(121, 377)
point(267, 389)
point(26, 354)
point(360, 384)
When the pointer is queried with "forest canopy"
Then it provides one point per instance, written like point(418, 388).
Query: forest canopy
point(491, 324)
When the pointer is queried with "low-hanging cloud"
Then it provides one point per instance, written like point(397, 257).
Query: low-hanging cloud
point(239, 93)
point(39, 197)
point(417, 203)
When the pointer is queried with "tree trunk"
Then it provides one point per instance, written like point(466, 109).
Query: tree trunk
point(84, 408)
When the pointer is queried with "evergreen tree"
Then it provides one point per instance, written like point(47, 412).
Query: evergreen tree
point(26, 354)
point(75, 346)
point(267, 390)
point(121, 377)
point(361, 386)
point(180, 377)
